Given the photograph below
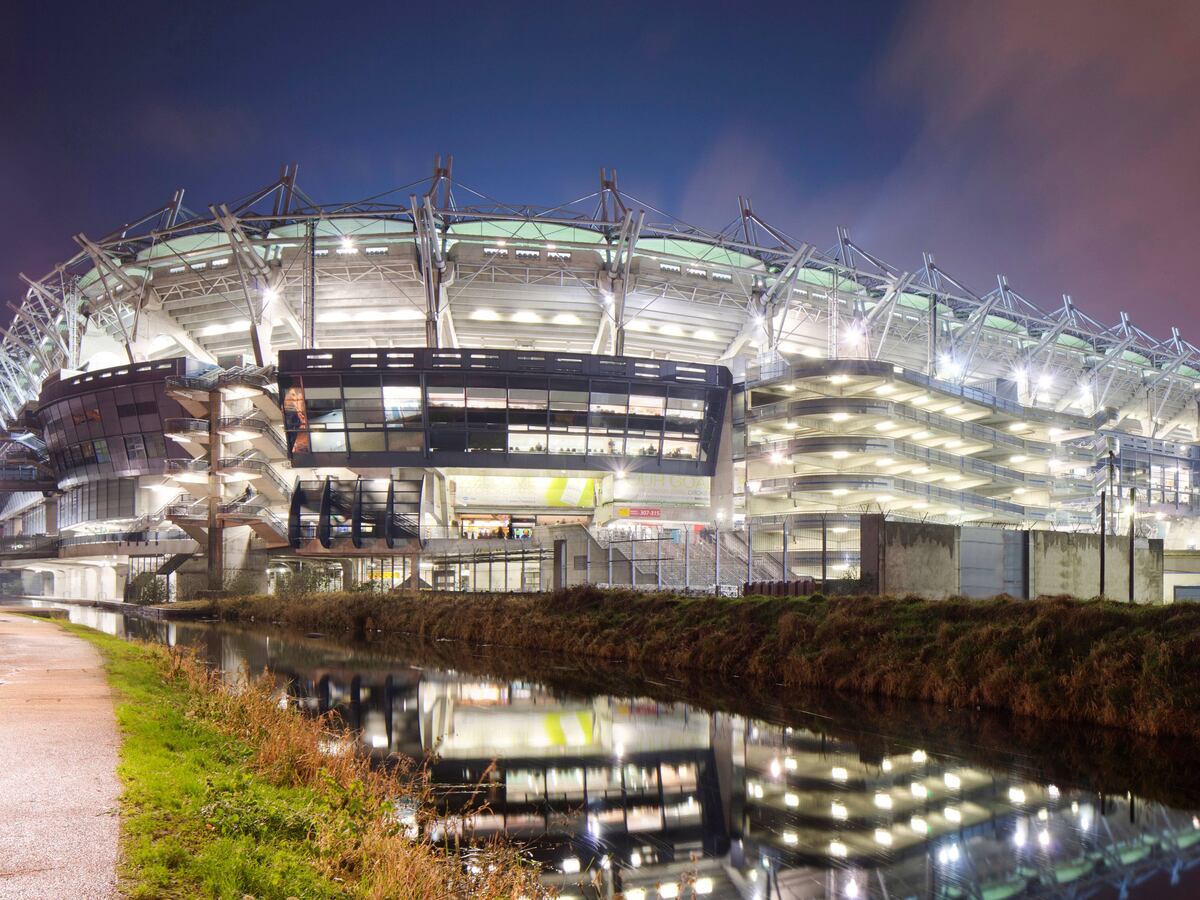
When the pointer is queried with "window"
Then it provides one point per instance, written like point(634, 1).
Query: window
point(609, 402)
point(641, 405)
point(402, 404)
point(367, 442)
point(680, 449)
point(641, 446)
point(606, 444)
point(569, 400)
point(527, 442)
point(568, 443)
point(526, 398)
point(328, 442)
point(135, 447)
point(405, 441)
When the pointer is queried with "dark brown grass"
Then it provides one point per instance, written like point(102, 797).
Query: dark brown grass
point(1054, 658)
point(360, 844)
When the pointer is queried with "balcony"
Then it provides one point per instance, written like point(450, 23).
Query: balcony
point(188, 471)
point(186, 431)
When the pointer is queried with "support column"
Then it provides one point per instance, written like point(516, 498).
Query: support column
point(216, 532)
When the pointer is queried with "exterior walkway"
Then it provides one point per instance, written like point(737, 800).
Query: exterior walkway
point(58, 757)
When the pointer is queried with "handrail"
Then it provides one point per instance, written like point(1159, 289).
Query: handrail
point(254, 464)
point(875, 368)
point(256, 423)
point(185, 424)
point(187, 465)
point(808, 407)
point(822, 443)
point(23, 473)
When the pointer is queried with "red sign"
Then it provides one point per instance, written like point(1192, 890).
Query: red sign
point(639, 512)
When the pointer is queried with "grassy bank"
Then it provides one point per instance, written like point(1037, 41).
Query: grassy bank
point(1054, 659)
point(227, 794)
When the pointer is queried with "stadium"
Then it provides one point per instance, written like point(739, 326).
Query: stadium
point(432, 388)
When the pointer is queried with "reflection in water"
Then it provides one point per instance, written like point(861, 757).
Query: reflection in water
point(663, 799)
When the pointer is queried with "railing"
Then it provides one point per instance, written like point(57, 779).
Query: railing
point(204, 382)
point(825, 443)
point(185, 426)
point(28, 545)
point(24, 473)
point(194, 466)
point(124, 537)
point(820, 406)
point(258, 425)
point(261, 377)
point(259, 466)
point(865, 367)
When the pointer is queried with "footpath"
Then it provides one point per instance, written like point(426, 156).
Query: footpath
point(58, 758)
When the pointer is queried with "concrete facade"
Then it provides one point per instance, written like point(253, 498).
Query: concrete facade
point(944, 560)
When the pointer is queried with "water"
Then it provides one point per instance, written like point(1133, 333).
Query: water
point(667, 787)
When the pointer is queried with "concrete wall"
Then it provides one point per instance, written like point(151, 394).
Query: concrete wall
point(909, 557)
point(946, 560)
point(1068, 563)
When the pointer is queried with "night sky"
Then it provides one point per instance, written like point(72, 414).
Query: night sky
point(1057, 143)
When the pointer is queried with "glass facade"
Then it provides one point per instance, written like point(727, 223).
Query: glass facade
point(496, 418)
point(116, 429)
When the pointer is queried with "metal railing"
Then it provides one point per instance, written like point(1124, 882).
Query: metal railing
point(263, 467)
point(257, 424)
point(195, 466)
point(182, 425)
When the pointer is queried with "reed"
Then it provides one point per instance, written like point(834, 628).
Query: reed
point(1054, 658)
point(229, 791)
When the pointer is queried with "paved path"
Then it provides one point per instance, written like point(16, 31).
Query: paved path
point(58, 758)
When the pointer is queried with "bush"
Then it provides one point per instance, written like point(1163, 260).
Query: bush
point(147, 589)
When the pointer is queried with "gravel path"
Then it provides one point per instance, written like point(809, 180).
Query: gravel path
point(58, 759)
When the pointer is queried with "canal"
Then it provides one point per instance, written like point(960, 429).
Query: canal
point(662, 786)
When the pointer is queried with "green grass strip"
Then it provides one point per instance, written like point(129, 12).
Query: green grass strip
point(195, 820)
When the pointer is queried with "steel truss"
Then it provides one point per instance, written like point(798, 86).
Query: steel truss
point(788, 290)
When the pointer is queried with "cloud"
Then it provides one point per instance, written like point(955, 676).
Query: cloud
point(1057, 142)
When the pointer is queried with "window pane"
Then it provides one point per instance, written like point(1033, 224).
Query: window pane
point(329, 442)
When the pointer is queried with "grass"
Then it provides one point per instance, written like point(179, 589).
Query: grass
point(1056, 659)
point(229, 794)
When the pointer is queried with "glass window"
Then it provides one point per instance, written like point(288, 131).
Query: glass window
point(636, 446)
point(527, 441)
point(402, 404)
point(568, 443)
point(680, 449)
point(486, 441)
point(486, 398)
point(609, 402)
point(361, 412)
point(448, 441)
point(406, 441)
point(452, 397)
point(569, 400)
point(642, 405)
point(135, 447)
point(526, 398)
point(329, 442)
point(367, 442)
point(606, 445)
